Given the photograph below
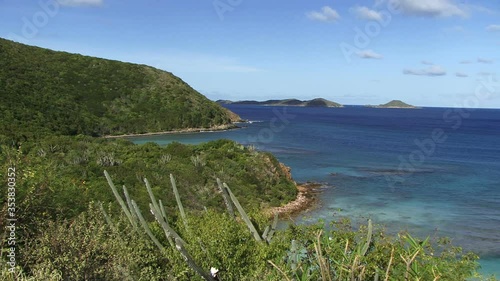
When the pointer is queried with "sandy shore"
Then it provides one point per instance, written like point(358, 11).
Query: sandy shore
point(187, 130)
point(306, 200)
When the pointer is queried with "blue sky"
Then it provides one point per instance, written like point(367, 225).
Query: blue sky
point(425, 52)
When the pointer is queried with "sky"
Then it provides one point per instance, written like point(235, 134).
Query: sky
point(442, 53)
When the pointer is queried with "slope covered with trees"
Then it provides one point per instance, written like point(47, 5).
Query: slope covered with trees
point(47, 92)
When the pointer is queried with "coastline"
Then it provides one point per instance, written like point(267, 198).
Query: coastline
point(306, 200)
point(224, 127)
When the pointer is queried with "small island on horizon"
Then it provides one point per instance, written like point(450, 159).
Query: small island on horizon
point(395, 104)
point(317, 102)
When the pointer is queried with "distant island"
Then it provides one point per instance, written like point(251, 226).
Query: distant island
point(318, 102)
point(394, 104)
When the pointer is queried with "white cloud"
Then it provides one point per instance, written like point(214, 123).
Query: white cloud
point(326, 14)
point(431, 8)
point(80, 2)
point(465, 62)
point(368, 54)
point(483, 60)
point(366, 13)
point(427, 62)
point(434, 70)
point(461, 74)
point(493, 27)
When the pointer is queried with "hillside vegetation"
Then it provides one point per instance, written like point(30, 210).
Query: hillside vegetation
point(47, 92)
point(59, 176)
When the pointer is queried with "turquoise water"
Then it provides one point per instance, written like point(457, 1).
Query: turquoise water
point(432, 171)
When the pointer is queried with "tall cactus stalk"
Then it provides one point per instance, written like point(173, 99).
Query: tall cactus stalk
point(169, 232)
point(293, 256)
point(243, 215)
point(108, 219)
point(368, 238)
point(190, 261)
point(179, 203)
point(227, 199)
point(151, 195)
point(146, 227)
point(135, 217)
point(162, 209)
point(120, 200)
point(130, 207)
point(179, 245)
point(165, 219)
point(266, 232)
point(157, 208)
point(270, 234)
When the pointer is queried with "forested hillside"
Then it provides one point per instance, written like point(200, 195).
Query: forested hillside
point(47, 92)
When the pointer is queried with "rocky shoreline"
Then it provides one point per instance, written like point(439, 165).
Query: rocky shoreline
point(306, 200)
point(187, 130)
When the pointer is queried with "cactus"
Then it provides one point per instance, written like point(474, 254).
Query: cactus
point(108, 219)
point(120, 200)
point(165, 158)
point(134, 214)
point(157, 208)
point(189, 260)
point(293, 256)
point(169, 232)
point(164, 215)
point(151, 195)
point(227, 200)
point(266, 232)
point(162, 209)
point(368, 238)
point(179, 245)
point(269, 235)
point(146, 227)
point(129, 204)
point(179, 203)
point(243, 214)
point(270, 229)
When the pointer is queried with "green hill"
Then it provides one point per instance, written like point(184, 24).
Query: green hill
point(47, 92)
point(319, 102)
point(396, 104)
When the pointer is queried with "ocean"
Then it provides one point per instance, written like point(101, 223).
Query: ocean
point(431, 171)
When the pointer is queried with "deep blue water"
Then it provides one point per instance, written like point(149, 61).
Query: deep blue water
point(432, 171)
